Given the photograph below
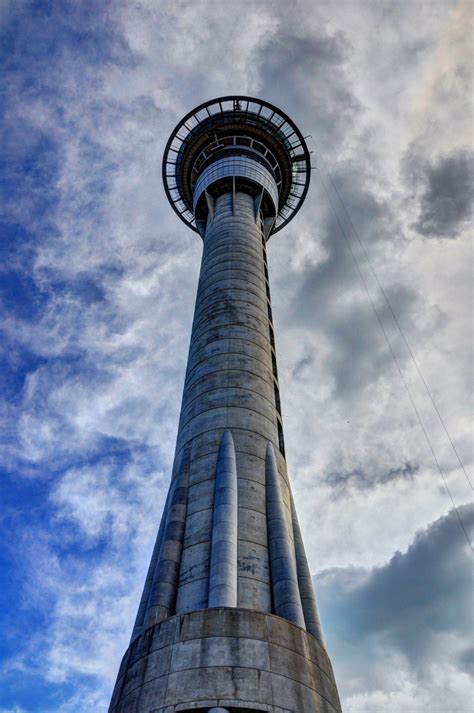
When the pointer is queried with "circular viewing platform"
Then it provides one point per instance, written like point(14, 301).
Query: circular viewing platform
point(253, 130)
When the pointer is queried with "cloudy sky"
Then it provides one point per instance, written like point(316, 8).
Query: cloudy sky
point(98, 278)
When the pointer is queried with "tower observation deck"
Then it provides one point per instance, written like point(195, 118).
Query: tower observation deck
point(228, 621)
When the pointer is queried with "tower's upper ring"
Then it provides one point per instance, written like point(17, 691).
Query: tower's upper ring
point(243, 126)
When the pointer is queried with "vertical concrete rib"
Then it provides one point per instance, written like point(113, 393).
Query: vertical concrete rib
point(286, 594)
point(165, 583)
point(147, 589)
point(305, 583)
point(223, 570)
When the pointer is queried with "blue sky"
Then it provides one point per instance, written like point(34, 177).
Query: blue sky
point(97, 284)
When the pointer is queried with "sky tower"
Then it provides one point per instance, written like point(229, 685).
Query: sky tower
point(228, 621)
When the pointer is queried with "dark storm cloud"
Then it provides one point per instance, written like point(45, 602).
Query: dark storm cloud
point(410, 603)
point(446, 200)
point(363, 481)
point(301, 366)
point(466, 661)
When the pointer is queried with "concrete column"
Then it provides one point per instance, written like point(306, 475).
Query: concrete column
point(229, 385)
point(286, 594)
point(165, 582)
point(305, 582)
point(223, 573)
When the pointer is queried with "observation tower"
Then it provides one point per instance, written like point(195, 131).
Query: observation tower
point(228, 621)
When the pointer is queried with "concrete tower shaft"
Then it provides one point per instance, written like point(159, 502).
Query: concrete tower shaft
point(228, 618)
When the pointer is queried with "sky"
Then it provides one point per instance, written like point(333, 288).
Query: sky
point(372, 300)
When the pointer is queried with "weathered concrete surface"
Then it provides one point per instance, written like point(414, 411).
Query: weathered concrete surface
point(230, 658)
point(230, 384)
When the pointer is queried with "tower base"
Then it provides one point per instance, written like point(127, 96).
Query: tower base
point(240, 660)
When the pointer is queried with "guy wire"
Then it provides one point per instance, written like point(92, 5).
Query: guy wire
point(405, 384)
point(395, 318)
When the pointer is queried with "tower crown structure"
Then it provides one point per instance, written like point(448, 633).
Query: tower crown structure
point(235, 144)
point(228, 621)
